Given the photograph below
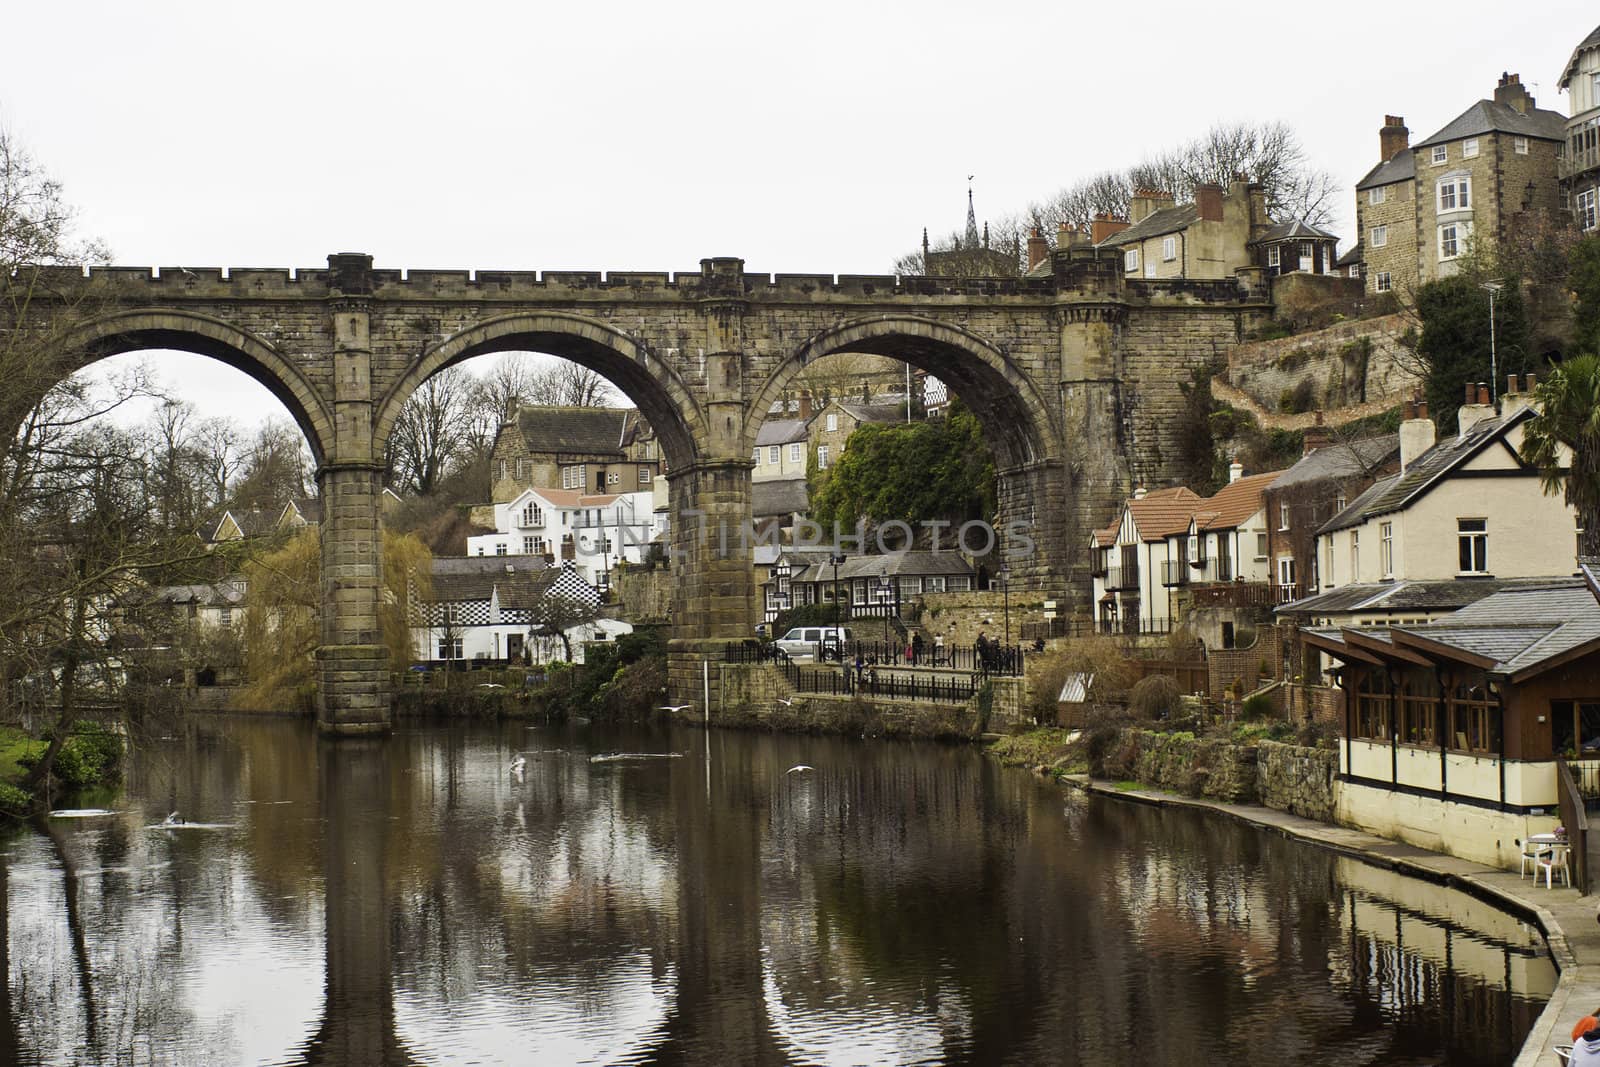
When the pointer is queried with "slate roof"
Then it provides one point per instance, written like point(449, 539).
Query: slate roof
point(584, 431)
point(780, 496)
point(221, 594)
point(1401, 167)
point(463, 578)
point(1294, 228)
point(886, 410)
point(253, 523)
point(895, 565)
point(1234, 503)
point(1400, 490)
point(1591, 41)
point(1521, 629)
point(1487, 116)
point(1164, 512)
point(1167, 220)
point(1346, 459)
point(1355, 255)
point(780, 432)
point(1446, 594)
point(310, 508)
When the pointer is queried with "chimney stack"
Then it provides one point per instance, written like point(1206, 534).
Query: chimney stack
point(1038, 248)
point(1511, 93)
point(1139, 493)
point(805, 405)
point(1393, 138)
point(1147, 202)
point(1104, 226)
point(1208, 201)
point(1235, 471)
point(1416, 432)
point(1316, 436)
point(1475, 409)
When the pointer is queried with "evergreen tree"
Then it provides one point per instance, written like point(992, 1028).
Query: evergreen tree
point(1454, 346)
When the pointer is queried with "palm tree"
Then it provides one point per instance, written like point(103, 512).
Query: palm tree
point(1568, 405)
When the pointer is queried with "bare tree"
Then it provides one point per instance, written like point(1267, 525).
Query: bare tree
point(554, 615)
point(274, 470)
point(217, 456)
point(566, 384)
point(429, 436)
point(1265, 152)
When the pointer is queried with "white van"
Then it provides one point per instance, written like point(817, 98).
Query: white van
point(806, 641)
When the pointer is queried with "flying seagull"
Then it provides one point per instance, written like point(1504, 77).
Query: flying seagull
point(799, 768)
point(676, 707)
point(785, 703)
point(172, 820)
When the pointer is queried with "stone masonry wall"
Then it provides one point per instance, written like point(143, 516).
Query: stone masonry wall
point(1297, 780)
point(1285, 777)
point(1332, 360)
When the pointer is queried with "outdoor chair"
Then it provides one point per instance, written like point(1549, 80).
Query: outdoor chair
point(1555, 860)
point(1563, 1053)
point(1532, 852)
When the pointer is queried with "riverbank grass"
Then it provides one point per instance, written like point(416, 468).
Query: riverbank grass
point(15, 746)
point(1047, 747)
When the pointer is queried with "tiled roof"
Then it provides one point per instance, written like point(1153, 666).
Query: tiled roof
point(1591, 41)
point(889, 409)
point(1447, 594)
point(780, 496)
point(1401, 167)
point(1400, 490)
point(584, 431)
point(1520, 629)
point(1345, 459)
point(780, 432)
point(1161, 513)
point(1488, 116)
point(1106, 537)
point(1235, 502)
point(1167, 220)
point(898, 564)
point(1294, 228)
point(463, 578)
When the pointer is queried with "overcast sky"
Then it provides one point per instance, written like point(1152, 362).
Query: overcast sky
point(818, 137)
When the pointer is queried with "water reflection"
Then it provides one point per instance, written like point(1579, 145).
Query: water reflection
point(410, 901)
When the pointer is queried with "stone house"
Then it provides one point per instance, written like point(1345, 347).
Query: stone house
point(1580, 163)
point(781, 447)
point(830, 428)
point(1450, 729)
point(593, 450)
point(1209, 238)
point(1328, 476)
point(1465, 507)
point(1420, 207)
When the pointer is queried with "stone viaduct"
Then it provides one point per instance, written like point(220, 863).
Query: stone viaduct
point(1075, 377)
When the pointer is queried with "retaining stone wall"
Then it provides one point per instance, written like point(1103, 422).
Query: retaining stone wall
point(1297, 780)
point(1329, 358)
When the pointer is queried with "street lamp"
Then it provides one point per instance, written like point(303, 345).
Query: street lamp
point(838, 608)
point(1494, 370)
point(1005, 593)
point(883, 598)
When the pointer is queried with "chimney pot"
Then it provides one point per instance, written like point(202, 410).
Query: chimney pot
point(805, 405)
point(1530, 380)
point(1408, 411)
point(1422, 409)
point(1483, 392)
point(1471, 395)
point(1511, 385)
point(1235, 471)
point(1038, 248)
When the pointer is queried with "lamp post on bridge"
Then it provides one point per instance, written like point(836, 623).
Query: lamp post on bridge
point(883, 598)
point(1005, 595)
point(838, 606)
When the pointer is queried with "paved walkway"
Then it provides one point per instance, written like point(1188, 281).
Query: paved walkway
point(1567, 919)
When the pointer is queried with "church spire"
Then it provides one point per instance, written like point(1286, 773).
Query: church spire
point(972, 218)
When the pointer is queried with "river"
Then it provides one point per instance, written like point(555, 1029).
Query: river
point(410, 900)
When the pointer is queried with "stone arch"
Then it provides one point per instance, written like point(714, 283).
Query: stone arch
point(1017, 421)
point(645, 379)
point(187, 331)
